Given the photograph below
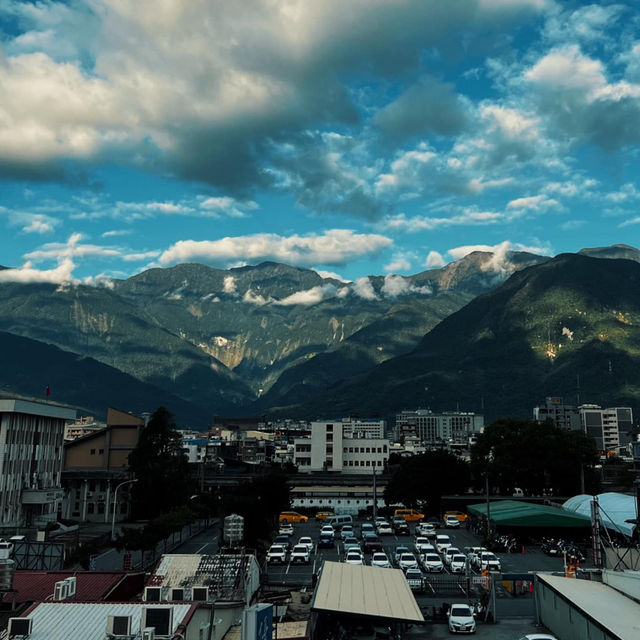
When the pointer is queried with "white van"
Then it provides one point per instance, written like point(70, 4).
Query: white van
point(338, 521)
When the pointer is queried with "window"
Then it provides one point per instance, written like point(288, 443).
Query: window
point(368, 450)
point(368, 463)
point(93, 452)
point(100, 507)
point(329, 428)
point(329, 437)
point(90, 508)
point(100, 451)
point(350, 449)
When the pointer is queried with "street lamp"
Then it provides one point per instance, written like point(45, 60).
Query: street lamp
point(115, 504)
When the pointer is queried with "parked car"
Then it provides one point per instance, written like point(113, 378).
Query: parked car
point(307, 541)
point(426, 529)
point(292, 516)
point(283, 539)
point(323, 515)
point(300, 553)
point(353, 557)
point(346, 531)
point(371, 543)
point(432, 563)
point(422, 545)
point(449, 552)
point(384, 529)
point(400, 526)
point(451, 522)
point(351, 544)
point(379, 559)
point(286, 530)
point(367, 527)
point(458, 563)
point(339, 520)
point(410, 515)
point(328, 530)
point(407, 561)
point(443, 542)
point(276, 553)
point(326, 541)
point(460, 619)
point(415, 579)
point(489, 561)
point(460, 515)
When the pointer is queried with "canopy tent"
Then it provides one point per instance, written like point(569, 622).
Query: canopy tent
point(615, 508)
point(524, 514)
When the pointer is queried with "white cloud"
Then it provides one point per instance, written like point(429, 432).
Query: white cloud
point(399, 263)
point(116, 232)
point(229, 284)
point(363, 288)
point(401, 222)
point(534, 203)
point(73, 248)
point(61, 274)
point(309, 296)
point(434, 260)
point(28, 221)
point(330, 274)
point(142, 255)
point(335, 246)
point(395, 285)
point(499, 261)
point(257, 299)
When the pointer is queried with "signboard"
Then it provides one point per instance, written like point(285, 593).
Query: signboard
point(258, 622)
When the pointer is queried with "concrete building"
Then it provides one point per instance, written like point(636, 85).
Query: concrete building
point(435, 428)
point(95, 464)
point(31, 448)
point(610, 428)
point(81, 427)
point(564, 416)
point(343, 445)
point(341, 499)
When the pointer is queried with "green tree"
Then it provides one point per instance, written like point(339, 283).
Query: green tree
point(532, 456)
point(160, 467)
point(425, 478)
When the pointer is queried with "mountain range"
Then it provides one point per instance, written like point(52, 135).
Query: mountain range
point(492, 332)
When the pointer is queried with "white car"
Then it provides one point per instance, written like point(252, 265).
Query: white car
point(300, 553)
point(407, 561)
point(426, 529)
point(353, 557)
point(398, 552)
point(432, 563)
point(366, 528)
point(327, 530)
point(285, 529)
point(442, 543)
point(489, 561)
point(422, 545)
point(449, 553)
point(460, 619)
point(458, 563)
point(385, 529)
point(452, 522)
point(307, 542)
point(346, 531)
point(380, 559)
point(276, 553)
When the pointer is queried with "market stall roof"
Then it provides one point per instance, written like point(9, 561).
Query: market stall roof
point(365, 591)
point(525, 514)
point(615, 509)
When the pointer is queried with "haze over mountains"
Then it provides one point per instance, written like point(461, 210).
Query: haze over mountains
point(270, 337)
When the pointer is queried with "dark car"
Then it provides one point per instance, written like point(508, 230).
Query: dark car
point(284, 541)
point(371, 543)
point(325, 542)
point(400, 526)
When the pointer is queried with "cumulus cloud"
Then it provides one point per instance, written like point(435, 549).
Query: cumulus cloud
point(255, 298)
point(533, 203)
point(395, 285)
point(229, 285)
point(399, 263)
point(330, 274)
point(29, 222)
point(434, 260)
point(62, 274)
point(336, 246)
point(363, 288)
point(413, 224)
point(309, 296)
point(499, 261)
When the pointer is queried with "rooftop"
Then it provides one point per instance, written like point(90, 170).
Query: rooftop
point(45, 409)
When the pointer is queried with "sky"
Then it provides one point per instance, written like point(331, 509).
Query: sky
point(353, 137)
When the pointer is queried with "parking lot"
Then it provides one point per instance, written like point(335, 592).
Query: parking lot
point(513, 598)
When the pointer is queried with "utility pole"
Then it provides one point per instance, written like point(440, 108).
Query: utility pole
point(375, 497)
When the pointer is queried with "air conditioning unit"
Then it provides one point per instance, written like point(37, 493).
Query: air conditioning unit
point(200, 594)
point(203, 632)
point(148, 633)
point(178, 595)
point(71, 581)
point(61, 590)
point(119, 625)
point(152, 594)
point(19, 627)
point(161, 618)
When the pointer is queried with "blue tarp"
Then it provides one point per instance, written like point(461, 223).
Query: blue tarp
point(615, 508)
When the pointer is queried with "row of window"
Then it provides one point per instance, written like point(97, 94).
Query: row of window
point(382, 449)
point(363, 463)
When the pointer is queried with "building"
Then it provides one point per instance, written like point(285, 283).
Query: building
point(81, 427)
point(610, 428)
point(341, 499)
point(95, 464)
point(435, 428)
point(564, 416)
point(31, 444)
point(343, 445)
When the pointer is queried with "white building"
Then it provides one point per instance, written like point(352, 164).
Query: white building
point(343, 445)
point(431, 428)
point(31, 460)
point(340, 499)
point(608, 427)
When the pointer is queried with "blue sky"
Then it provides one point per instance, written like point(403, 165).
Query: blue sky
point(355, 138)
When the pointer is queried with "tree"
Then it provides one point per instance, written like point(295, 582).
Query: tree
point(425, 478)
point(161, 468)
point(532, 456)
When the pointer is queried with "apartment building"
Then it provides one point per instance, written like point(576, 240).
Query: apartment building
point(432, 428)
point(31, 454)
point(564, 416)
point(610, 427)
point(343, 445)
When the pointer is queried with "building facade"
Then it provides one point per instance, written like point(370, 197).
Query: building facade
point(564, 416)
point(610, 428)
point(31, 448)
point(434, 428)
point(343, 445)
point(95, 464)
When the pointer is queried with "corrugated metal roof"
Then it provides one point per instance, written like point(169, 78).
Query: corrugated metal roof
point(365, 591)
point(615, 509)
point(527, 514)
point(35, 586)
point(65, 620)
point(616, 612)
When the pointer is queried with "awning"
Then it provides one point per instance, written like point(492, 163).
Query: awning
point(615, 509)
point(365, 591)
point(524, 514)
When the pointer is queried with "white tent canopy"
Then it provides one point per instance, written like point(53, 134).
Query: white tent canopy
point(615, 508)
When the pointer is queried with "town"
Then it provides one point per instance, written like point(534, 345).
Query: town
point(343, 528)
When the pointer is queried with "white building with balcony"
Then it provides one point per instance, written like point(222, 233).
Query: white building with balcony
point(31, 461)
